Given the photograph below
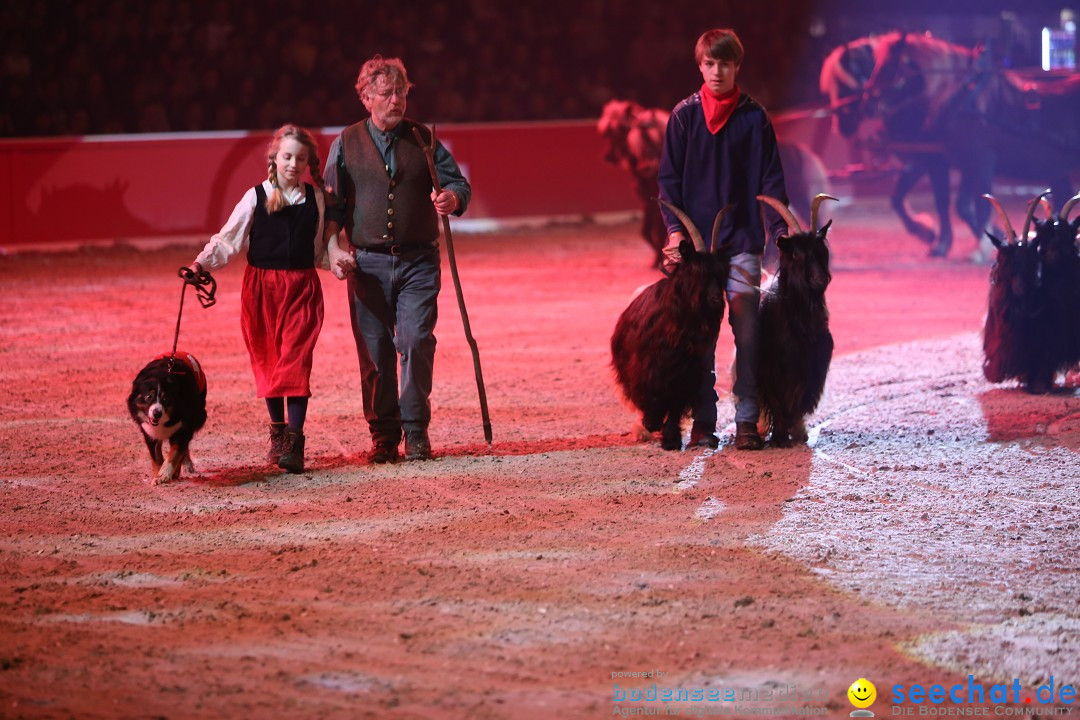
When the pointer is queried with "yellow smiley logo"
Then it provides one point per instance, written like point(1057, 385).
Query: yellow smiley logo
point(862, 693)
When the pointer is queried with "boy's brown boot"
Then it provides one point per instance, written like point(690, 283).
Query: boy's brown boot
point(746, 436)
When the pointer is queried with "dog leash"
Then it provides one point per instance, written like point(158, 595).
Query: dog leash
point(205, 290)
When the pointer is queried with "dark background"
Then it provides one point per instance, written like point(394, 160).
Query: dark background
point(75, 68)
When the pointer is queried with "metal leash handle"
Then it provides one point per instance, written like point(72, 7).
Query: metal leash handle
point(205, 290)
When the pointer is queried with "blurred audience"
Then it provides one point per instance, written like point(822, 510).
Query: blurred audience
point(73, 67)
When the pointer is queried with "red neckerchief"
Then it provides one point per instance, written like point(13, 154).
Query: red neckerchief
point(718, 108)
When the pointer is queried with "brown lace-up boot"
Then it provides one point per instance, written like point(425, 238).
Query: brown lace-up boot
point(279, 433)
point(293, 457)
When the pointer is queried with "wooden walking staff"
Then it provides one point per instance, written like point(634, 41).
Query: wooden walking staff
point(429, 152)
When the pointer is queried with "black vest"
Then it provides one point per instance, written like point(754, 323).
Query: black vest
point(384, 210)
point(284, 240)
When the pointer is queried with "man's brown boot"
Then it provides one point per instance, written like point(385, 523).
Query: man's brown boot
point(417, 445)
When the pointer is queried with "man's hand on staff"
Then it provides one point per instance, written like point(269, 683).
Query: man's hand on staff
point(446, 202)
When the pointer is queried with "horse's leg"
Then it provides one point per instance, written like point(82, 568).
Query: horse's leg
point(975, 181)
point(938, 170)
point(965, 210)
point(909, 175)
point(653, 230)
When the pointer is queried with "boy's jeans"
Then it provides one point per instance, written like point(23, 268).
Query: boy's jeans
point(744, 279)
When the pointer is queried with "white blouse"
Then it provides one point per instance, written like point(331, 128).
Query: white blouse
point(236, 232)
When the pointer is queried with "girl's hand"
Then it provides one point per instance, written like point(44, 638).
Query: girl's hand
point(341, 263)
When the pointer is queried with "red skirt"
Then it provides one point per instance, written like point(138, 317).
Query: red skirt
point(281, 315)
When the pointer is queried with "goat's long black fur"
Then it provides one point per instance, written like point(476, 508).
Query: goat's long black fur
point(796, 346)
point(662, 340)
point(1010, 332)
point(1059, 288)
point(1031, 331)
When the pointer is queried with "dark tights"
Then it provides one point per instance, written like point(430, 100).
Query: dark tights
point(297, 410)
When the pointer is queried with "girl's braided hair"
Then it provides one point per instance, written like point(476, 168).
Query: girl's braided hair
point(276, 200)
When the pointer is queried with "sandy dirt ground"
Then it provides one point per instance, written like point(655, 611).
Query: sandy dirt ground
point(929, 531)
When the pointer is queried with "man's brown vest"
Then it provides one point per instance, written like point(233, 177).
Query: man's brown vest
point(384, 210)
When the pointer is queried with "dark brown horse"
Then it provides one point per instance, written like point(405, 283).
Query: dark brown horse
point(635, 136)
point(938, 105)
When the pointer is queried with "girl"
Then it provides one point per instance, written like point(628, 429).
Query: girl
point(283, 225)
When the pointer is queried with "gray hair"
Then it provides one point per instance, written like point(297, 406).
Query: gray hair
point(390, 68)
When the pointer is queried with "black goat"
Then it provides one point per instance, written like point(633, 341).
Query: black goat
point(1013, 339)
point(663, 337)
point(1059, 263)
point(796, 346)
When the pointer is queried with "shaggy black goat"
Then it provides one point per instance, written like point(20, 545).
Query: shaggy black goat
point(663, 337)
point(796, 346)
point(1013, 340)
point(1059, 263)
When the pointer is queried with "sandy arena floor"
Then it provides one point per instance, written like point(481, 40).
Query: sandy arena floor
point(930, 531)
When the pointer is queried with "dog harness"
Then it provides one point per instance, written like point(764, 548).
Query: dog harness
point(192, 364)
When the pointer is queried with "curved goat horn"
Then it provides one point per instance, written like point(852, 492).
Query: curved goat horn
point(1036, 202)
point(716, 226)
point(1010, 234)
point(814, 205)
point(793, 225)
point(1047, 208)
point(691, 228)
point(1067, 208)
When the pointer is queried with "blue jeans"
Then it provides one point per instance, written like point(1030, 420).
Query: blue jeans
point(744, 279)
point(394, 305)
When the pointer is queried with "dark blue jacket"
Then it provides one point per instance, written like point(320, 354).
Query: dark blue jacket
point(701, 173)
